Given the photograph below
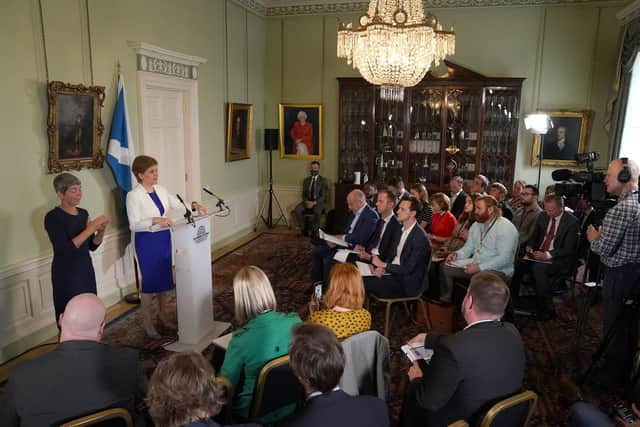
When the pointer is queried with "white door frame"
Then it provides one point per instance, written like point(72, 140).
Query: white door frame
point(189, 89)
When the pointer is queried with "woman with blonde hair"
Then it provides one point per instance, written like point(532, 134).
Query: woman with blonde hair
point(262, 335)
point(183, 391)
point(344, 313)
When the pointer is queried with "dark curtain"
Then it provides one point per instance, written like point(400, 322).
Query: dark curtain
point(628, 52)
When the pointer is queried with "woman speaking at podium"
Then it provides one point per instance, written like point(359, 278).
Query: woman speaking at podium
point(147, 205)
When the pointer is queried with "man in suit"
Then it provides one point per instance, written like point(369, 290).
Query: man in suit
point(458, 196)
point(471, 369)
point(317, 360)
point(78, 377)
point(407, 270)
point(553, 246)
point(371, 191)
point(314, 196)
point(499, 192)
point(491, 245)
point(361, 224)
point(395, 184)
point(479, 184)
point(559, 148)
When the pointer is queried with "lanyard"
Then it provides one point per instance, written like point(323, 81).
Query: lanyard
point(482, 236)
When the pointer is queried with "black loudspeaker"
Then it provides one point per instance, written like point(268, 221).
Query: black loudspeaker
point(271, 139)
point(624, 175)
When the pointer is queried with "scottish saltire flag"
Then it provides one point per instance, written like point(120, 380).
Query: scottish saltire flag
point(120, 151)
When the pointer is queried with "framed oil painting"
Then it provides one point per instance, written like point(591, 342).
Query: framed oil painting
point(239, 131)
point(567, 138)
point(74, 126)
point(301, 131)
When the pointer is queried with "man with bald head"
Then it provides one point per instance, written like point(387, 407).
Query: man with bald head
point(78, 377)
point(617, 242)
point(360, 225)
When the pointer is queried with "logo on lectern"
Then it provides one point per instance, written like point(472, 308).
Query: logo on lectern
point(201, 234)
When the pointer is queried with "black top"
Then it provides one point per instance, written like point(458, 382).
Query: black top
point(71, 271)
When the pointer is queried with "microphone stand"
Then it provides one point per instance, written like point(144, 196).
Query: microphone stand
point(220, 204)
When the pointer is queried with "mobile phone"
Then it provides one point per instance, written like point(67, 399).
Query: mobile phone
point(625, 413)
point(318, 292)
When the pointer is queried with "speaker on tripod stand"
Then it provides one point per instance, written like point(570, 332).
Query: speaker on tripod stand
point(270, 144)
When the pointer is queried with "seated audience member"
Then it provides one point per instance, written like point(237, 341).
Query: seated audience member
point(554, 244)
point(458, 196)
point(183, 391)
point(499, 192)
point(80, 376)
point(526, 216)
point(360, 225)
point(343, 312)
point(371, 192)
point(384, 240)
point(407, 269)
point(443, 221)
point(317, 359)
point(396, 186)
point(314, 195)
point(419, 191)
point(461, 231)
point(263, 335)
point(516, 200)
point(491, 245)
point(477, 366)
point(479, 185)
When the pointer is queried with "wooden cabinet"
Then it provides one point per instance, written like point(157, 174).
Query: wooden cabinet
point(462, 123)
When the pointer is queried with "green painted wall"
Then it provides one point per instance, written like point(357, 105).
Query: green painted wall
point(566, 53)
point(88, 37)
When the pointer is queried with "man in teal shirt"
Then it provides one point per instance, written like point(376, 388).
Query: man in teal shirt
point(491, 245)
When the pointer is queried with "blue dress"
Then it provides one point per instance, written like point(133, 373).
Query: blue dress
point(72, 270)
point(153, 251)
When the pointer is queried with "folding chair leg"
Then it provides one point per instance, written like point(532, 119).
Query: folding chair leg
point(425, 312)
point(387, 320)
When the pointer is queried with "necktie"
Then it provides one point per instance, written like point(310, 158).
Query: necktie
point(312, 189)
point(375, 239)
point(549, 237)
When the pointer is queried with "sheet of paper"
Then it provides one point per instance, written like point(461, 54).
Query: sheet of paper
point(417, 352)
point(366, 270)
point(342, 254)
point(541, 261)
point(333, 239)
point(223, 340)
point(460, 263)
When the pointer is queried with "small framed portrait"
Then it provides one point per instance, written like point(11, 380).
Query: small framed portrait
point(301, 131)
point(74, 126)
point(239, 131)
point(568, 137)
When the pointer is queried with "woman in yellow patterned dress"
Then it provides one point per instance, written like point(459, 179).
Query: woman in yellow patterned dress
point(343, 312)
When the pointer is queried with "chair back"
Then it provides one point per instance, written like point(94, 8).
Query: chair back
point(512, 411)
point(366, 370)
point(276, 387)
point(459, 423)
point(108, 417)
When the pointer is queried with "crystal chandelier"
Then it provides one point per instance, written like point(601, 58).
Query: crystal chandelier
point(395, 45)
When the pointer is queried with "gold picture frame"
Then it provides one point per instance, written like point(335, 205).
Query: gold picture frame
point(74, 126)
point(239, 131)
point(301, 131)
point(568, 137)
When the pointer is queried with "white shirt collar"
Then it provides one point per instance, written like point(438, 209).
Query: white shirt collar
point(388, 218)
point(480, 321)
point(408, 230)
point(319, 393)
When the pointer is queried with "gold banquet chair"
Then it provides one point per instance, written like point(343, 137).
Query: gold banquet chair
point(276, 387)
point(512, 411)
point(459, 423)
point(105, 417)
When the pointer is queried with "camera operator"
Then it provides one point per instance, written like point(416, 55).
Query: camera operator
point(617, 242)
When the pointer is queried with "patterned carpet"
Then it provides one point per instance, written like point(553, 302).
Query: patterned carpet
point(286, 260)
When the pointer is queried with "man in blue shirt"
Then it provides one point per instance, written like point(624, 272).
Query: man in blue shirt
point(491, 245)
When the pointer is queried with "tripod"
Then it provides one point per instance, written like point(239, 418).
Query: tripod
point(267, 203)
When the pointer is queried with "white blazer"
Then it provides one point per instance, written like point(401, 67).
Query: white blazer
point(141, 209)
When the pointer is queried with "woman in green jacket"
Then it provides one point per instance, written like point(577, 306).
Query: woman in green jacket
point(264, 335)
